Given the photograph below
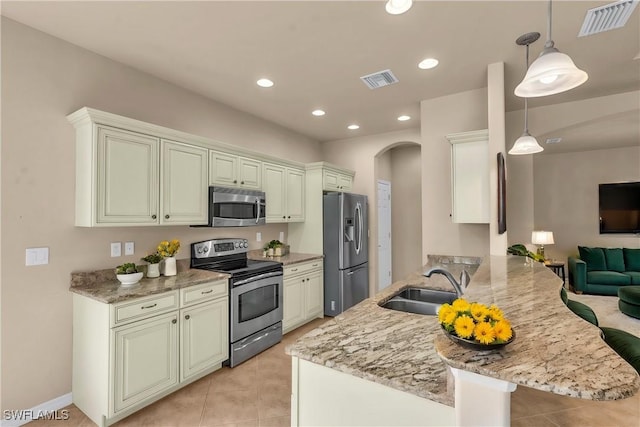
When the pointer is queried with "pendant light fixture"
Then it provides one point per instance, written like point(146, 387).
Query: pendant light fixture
point(397, 7)
point(553, 72)
point(526, 144)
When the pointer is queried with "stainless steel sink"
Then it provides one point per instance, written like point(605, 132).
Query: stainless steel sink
point(419, 301)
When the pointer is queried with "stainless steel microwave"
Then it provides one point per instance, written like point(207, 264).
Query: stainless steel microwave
point(236, 207)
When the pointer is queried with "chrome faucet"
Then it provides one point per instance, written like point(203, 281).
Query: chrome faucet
point(449, 276)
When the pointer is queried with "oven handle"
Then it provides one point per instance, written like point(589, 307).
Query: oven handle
point(256, 339)
point(258, 277)
point(258, 205)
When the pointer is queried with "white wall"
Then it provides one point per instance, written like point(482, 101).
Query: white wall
point(43, 80)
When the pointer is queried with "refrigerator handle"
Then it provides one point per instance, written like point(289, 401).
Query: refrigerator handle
point(352, 272)
point(358, 243)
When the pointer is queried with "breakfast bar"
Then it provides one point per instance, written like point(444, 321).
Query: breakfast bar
point(433, 381)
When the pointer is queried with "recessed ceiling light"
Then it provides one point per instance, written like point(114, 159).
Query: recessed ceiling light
point(353, 127)
point(404, 118)
point(264, 83)
point(396, 7)
point(318, 113)
point(428, 63)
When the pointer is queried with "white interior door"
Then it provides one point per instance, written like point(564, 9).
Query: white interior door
point(384, 234)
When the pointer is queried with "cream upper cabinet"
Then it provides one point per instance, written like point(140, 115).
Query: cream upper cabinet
point(470, 177)
point(333, 180)
point(228, 170)
point(284, 189)
point(303, 294)
point(184, 184)
point(127, 179)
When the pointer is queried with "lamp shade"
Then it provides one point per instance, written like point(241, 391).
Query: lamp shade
point(526, 144)
point(396, 7)
point(553, 72)
point(542, 237)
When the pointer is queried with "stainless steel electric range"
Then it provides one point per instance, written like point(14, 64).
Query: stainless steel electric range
point(255, 296)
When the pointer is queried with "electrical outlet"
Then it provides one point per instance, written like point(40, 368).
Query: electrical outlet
point(37, 256)
point(116, 249)
point(281, 236)
point(129, 248)
point(258, 237)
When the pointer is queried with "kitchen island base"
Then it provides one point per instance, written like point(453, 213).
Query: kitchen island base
point(327, 397)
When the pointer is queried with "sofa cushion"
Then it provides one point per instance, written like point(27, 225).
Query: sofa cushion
point(563, 296)
point(630, 294)
point(583, 311)
point(608, 278)
point(614, 259)
point(593, 257)
point(625, 344)
point(635, 277)
point(631, 259)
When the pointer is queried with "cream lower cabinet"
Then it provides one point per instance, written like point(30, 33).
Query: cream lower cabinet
point(130, 354)
point(303, 295)
point(285, 192)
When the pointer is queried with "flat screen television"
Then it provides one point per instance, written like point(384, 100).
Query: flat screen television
point(619, 208)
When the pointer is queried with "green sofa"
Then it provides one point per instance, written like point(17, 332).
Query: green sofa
point(603, 270)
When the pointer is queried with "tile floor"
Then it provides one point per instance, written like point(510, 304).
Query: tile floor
point(257, 393)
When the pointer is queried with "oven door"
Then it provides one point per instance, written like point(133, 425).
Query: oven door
point(256, 303)
point(231, 207)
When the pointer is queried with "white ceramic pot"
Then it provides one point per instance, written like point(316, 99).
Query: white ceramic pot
point(170, 266)
point(153, 270)
point(129, 279)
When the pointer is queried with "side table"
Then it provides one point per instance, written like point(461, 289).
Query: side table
point(558, 268)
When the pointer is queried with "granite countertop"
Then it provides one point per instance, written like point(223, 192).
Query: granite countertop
point(554, 351)
point(291, 258)
point(103, 286)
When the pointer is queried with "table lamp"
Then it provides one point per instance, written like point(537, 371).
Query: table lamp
point(542, 238)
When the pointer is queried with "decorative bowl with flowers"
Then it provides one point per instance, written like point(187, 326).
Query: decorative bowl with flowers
point(475, 326)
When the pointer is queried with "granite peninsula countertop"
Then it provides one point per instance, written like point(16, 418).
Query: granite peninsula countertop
point(285, 260)
point(103, 286)
point(554, 351)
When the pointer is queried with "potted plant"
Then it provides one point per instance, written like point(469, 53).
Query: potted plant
point(128, 274)
point(168, 249)
point(274, 248)
point(153, 270)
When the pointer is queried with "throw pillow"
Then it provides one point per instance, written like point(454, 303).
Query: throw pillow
point(614, 258)
point(632, 259)
point(593, 257)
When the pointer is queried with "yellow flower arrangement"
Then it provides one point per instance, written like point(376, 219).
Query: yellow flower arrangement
point(168, 249)
point(484, 325)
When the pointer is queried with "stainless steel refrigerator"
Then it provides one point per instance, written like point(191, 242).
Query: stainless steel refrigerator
point(346, 243)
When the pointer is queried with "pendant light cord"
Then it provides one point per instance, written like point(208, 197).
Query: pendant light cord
point(549, 42)
point(526, 113)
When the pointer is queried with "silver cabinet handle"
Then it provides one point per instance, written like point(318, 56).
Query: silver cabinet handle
point(206, 292)
point(148, 306)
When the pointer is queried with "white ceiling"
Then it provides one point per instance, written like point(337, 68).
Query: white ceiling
point(315, 51)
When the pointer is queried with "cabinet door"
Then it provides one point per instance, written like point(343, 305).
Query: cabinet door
point(345, 182)
point(128, 185)
point(145, 359)
point(329, 181)
point(314, 303)
point(295, 195)
point(273, 182)
point(250, 173)
point(223, 169)
point(204, 341)
point(184, 184)
point(293, 302)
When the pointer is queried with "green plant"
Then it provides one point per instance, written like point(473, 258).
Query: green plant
point(520, 250)
point(127, 268)
point(153, 258)
point(273, 244)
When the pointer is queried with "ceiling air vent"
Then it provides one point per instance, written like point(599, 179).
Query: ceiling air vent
point(379, 79)
point(553, 140)
point(607, 17)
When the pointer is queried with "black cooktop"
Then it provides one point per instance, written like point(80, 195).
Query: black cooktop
point(238, 266)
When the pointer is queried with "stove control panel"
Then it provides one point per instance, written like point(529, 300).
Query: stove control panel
point(219, 247)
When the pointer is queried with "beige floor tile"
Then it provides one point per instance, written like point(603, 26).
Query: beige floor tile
point(526, 402)
point(241, 377)
point(230, 407)
point(595, 416)
point(276, 422)
point(535, 421)
point(274, 399)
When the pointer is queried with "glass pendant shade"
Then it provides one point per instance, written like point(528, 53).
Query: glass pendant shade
point(526, 144)
point(553, 72)
point(396, 7)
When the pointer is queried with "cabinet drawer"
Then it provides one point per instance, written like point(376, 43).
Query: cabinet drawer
point(204, 292)
point(303, 267)
point(141, 308)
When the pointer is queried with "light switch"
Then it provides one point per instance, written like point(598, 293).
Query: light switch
point(258, 237)
point(281, 236)
point(37, 256)
point(129, 248)
point(116, 249)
